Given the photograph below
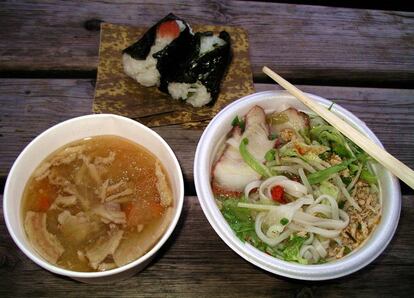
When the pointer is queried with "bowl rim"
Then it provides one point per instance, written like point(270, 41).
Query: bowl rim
point(271, 264)
point(141, 260)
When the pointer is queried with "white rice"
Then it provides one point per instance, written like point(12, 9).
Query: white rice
point(145, 71)
point(209, 43)
point(195, 94)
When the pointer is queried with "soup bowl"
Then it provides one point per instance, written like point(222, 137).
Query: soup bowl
point(69, 131)
point(279, 100)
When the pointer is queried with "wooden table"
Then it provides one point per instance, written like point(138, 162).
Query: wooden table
point(362, 59)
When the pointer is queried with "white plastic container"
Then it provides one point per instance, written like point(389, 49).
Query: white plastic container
point(62, 134)
point(279, 100)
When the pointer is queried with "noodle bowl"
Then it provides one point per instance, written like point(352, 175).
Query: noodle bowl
point(328, 223)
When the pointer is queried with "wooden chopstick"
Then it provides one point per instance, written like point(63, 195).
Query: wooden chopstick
point(383, 157)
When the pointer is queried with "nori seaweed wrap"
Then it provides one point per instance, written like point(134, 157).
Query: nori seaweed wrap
point(197, 80)
point(171, 36)
point(187, 66)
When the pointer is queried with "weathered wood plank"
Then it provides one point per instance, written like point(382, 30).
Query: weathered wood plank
point(302, 42)
point(386, 5)
point(30, 106)
point(195, 261)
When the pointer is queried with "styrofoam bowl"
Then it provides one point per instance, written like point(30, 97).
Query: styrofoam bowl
point(279, 100)
point(69, 131)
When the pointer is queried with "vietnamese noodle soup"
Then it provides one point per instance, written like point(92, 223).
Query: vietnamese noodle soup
point(97, 204)
point(294, 187)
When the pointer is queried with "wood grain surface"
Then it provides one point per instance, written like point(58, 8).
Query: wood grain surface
point(301, 42)
point(48, 60)
point(195, 262)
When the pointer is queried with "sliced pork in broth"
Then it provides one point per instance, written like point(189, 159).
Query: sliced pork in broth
point(97, 204)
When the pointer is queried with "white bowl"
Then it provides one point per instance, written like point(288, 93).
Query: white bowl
point(66, 132)
point(277, 100)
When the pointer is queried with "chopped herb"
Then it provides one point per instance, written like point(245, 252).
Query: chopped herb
point(284, 221)
point(238, 122)
point(330, 107)
point(272, 136)
point(347, 250)
point(341, 204)
point(346, 180)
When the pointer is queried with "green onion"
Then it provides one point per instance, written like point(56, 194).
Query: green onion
point(270, 155)
point(367, 176)
point(322, 175)
point(251, 161)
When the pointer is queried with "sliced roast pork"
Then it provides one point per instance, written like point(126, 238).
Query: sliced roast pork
point(288, 123)
point(230, 173)
point(103, 247)
point(45, 243)
point(137, 244)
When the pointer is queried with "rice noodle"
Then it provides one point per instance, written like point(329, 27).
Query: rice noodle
point(304, 179)
point(287, 169)
point(249, 187)
point(309, 253)
point(291, 187)
point(350, 199)
point(319, 248)
point(300, 162)
point(263, 237)
point(355, 180)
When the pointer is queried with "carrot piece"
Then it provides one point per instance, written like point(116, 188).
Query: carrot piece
point(127, 208)
point(43, 204)
point(138, 213)
point(168, 29)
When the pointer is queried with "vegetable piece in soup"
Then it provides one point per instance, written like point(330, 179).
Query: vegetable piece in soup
point(97, 204)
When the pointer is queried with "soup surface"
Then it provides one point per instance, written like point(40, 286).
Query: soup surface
point(97, 204)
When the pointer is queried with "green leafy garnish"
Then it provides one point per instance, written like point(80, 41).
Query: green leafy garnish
point(329, 136)
point(291, 251)
point(241, 222)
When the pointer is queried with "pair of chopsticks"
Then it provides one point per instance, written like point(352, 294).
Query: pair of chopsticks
point(380, 155)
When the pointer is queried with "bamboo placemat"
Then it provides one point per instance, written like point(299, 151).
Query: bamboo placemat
point(119, 94)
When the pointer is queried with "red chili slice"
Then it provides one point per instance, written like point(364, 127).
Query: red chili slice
point(277, 193)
